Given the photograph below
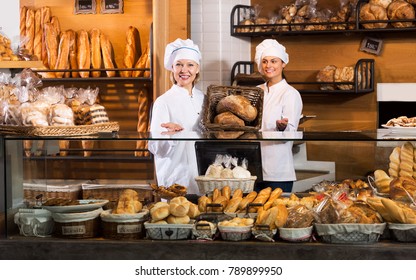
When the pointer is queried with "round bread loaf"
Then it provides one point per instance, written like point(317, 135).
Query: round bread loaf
point(401, 10)
point(239, 106)
point(370, 11)
point(327, 75)
point(228, 118)
point(193, 211)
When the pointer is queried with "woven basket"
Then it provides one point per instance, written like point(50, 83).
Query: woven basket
point(235, 233)
point(350, 233)
point(60, 130)
point(403, 232)
point(216, 93)
point(77, 225)
point(123, 226)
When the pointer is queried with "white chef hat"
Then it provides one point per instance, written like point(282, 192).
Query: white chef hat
point(181, 49)
point(270, 47)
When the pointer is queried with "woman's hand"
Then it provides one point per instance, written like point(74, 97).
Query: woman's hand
point(282, 124)
point(172, 127)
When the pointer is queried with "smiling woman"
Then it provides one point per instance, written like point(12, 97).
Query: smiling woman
point(177, 110)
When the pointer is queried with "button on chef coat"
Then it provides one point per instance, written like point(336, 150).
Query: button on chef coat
point(280, 101)
point(175, 161)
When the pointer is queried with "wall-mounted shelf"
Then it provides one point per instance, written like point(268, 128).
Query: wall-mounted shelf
point(268, 30)
point(243, 74)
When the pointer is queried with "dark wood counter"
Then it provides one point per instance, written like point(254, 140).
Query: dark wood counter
point(20, 248)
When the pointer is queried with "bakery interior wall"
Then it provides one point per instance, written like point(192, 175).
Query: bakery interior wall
point(119, 98)
point(308, 54)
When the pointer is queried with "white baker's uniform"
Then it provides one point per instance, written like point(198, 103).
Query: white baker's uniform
point(279, 101)
point(175, 161)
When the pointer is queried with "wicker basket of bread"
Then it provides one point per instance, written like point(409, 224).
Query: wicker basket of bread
point(233, 108)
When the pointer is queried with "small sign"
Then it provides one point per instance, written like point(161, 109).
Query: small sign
point(85, 7)
point(371, 45)
point(112, 6)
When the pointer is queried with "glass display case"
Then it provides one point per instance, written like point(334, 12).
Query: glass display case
point(354, 154)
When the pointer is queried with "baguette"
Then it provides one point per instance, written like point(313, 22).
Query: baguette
point(63, 54)
point(394, 164)
point(23, 11)
point(83, 54)
point(107, 53)
point(45, 17)
point(226, 191)
point(30, 30)
point(261, 198)
point(51, 41)
point(73, 63)
point(142, 122)
point(238, 193)
point(95, 51)
point(37, 41)
point(275, 194)
point(130, 51)
point(232, 205)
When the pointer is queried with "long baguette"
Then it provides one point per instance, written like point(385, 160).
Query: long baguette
point(107, 52)
point(83, 54)
point(95, 51)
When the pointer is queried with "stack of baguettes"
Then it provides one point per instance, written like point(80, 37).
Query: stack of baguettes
point(77, 50)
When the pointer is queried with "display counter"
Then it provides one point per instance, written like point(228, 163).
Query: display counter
point(355, 153)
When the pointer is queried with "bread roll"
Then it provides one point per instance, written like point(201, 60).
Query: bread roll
point(382, 181)
point(239, 106)
point(202, 203)
point(261, 198)
point(107, 53)
point(62, 61)
point(83, 55)
point(238, 193)
point(399, 212)
point(215, 194)
point(246, 200)
point(130, 51)
point(95, 51)
point(226, 192)
point(171, 219)
point(193, 211)
point(30, 30)
point(179, 206)
point(232, 205)
point(222, 200)
point(401, 10)
point(159, 211)
point(369, 12)
point(229, 119)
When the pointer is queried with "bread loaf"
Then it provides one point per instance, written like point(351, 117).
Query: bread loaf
point(232, 205)
point(73, 63)
point(23, 11)
point(193, 211)
point(327, 75)
point(275, 194)
point(107, 54)
point(401, 10)
point(261, 198)
point(226, 192)
point(52, 44)
point(238, 193)
point(399, 212)
point(382, 181)
point(345, 74)
point(383, 3)
point(130, 51)
point(45, 17)
point(95, 51)
point(141, 63)
point(55, 22)
point(238, 105)
point(62, 61)
point(30, 30)
point(83, 54)
point(406, 160)
point(369, 12)
point(37, 41)
point(229, 119)
point(394, 164)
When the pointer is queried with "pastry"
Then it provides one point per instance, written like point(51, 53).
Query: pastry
point(401, 10)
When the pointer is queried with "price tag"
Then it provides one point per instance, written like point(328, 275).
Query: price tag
point(371, 45)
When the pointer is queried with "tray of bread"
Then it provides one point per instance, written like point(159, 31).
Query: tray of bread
point(233, 108)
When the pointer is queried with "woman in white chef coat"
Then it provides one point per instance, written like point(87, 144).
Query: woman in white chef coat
point(282, 109)
point(178, 110)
